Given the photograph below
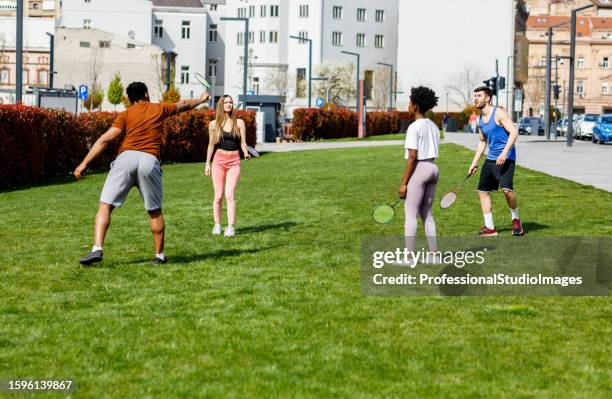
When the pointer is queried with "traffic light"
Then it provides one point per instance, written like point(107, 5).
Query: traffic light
point(557, 90)
point(501, 84)
point(492, 84)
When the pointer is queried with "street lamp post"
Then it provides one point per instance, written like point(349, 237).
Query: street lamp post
point(246, 54)
point(51, 59)
point(213, 77)
point(549, 78)
point(508, 85)
point(304, 39)
point(19, 53)
point(390, 84)
point(570, 95)
point(358, 74)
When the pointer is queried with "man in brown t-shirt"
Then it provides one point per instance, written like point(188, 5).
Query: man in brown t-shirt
point(137, 164)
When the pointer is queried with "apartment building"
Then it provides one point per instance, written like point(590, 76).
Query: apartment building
point(593, 73)
point(278, 65)
point(32, 8)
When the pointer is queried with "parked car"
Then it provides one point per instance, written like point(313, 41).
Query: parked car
point(525, 125)
point(584, 126)
point(602, 132)
point(562, 127)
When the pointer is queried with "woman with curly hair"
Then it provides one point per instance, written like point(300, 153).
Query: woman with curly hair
point(418, 186)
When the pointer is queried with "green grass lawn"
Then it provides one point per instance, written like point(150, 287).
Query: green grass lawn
point(392, 136)
point(277, 311)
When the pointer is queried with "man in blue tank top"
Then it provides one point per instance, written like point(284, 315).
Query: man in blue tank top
point(497, 131)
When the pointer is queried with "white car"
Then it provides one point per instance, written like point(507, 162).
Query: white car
point(585, 125)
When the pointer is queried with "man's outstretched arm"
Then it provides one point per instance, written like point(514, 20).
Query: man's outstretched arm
point(98, 147)
point(188, 105)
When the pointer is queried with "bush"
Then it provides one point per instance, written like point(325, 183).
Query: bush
point(42, 143)
point(315, 124)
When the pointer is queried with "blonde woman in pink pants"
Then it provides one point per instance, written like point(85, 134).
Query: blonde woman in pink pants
point(227, 137)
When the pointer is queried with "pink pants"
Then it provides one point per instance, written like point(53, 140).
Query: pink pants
point(225, 175)
point(419, 200)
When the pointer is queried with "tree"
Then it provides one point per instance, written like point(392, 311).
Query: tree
point(115, 90)
point(460, 85)
point(172, 95)
point(535, 89)
point(94, 99)
point(380, 92)
point(93, 72)
point(275, 82)
point(340, 80)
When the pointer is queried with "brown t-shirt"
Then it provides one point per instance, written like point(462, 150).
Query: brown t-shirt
point(142, 124)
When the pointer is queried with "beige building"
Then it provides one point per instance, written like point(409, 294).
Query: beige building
point(593, 78)
point(32, 8)
point(92, 57)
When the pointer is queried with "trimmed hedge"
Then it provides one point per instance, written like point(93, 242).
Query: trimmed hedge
point(315, 123)
point(36, 143)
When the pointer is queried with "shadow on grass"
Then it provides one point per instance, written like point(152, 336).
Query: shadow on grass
point(264, 227)
point(528, 227)
point(190, 258)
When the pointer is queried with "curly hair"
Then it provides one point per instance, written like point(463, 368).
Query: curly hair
point(424, 98)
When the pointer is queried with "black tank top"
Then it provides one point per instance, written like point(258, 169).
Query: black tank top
point(229, 142)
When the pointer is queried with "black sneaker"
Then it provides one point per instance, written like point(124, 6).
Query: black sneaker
point(91, 258)
point(158, 261)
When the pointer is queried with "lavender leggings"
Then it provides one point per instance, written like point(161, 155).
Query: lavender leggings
point(419, 200)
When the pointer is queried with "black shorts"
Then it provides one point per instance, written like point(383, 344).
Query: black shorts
point(492, 177)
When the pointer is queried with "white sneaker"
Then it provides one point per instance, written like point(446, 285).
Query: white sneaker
point(229, 231)
point(217, 229)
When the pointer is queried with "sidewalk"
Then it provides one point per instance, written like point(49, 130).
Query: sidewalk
point(584, 162)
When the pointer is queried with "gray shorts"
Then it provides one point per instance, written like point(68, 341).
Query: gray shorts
point(134, 168)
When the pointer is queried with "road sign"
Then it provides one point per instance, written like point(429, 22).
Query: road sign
point(320, 102)
point(83, 92)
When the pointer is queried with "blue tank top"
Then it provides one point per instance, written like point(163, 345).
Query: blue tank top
point(497, 138)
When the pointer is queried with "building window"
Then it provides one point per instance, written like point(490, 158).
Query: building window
point(304, 11)
point(262, 36)
point(213, 33)
point(303, 35)
point(273, 36)
point(87, 24)
point(240, 38)
point(543, 61)
point(380, 15)
point(337, 12)
point(212, 68)
point(580, 87)
point(256, 85)
point(84, 44)
point(131, 45)
point(337, 38)
point(251, 37)
point(185, 75)
point(43, 60)
point(300, 84)
point(379, 41)
point(251, 11)
point(158, 30)
point(579, 63)
point(213, 7)
point(104, 44)
point(274, 11)
point(186, 30)
point(26, 77)
point(361, 14)
point(361, 39)
point(262, 11)
point(43, 77)
point(605, 63)
point(604, 88)
point(87, 1)
point(4, 76)
point(242, 12)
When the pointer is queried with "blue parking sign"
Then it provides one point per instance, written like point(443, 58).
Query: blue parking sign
point(320, 102)
point(83, 92)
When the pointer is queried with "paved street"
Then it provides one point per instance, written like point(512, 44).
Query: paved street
point(584, 162)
